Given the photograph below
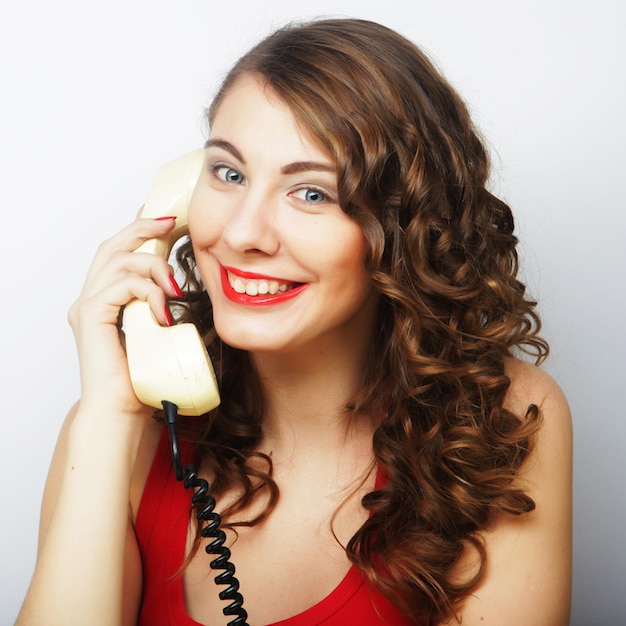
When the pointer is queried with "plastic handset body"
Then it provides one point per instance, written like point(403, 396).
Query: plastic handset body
point(169, 363)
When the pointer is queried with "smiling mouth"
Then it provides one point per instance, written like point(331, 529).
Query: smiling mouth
point(251, 289)
point(258, 286)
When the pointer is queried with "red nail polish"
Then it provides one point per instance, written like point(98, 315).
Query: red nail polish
point(168, 317)
point(179, 293)
point(165, 217)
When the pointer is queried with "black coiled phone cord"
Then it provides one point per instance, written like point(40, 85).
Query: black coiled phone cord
point(212, 529)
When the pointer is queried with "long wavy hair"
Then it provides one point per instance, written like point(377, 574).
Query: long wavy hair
point(412, 171)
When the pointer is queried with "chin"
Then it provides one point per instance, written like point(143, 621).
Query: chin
point(246, 339)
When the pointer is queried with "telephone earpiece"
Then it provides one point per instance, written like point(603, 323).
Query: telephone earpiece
point(169, 363)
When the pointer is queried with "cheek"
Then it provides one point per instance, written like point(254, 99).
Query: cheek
point(351, 252)
point(204, 225)
point(337, 256)
point(336, 243)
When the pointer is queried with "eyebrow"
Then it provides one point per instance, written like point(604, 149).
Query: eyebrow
point(225, 145)
point(291, 168)
point(307, 166)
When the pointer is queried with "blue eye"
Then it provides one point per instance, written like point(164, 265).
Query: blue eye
point(228, 174)
point(311, 195)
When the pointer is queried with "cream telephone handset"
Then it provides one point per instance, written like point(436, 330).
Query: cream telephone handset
point(169, 363)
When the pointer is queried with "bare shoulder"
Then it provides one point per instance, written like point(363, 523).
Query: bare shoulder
point(552, 451)
point(532, 385)
point(528, 576)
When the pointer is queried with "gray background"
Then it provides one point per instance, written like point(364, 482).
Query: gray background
point(95, 96)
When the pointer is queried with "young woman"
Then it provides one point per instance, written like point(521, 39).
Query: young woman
point(381, 455)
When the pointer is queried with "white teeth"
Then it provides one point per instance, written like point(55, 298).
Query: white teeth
point(256, 287)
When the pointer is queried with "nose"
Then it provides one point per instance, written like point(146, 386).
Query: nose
point(251, 227)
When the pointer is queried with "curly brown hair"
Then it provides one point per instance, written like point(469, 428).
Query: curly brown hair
point(412, 171)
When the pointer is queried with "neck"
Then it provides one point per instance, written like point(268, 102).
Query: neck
point(305, 402)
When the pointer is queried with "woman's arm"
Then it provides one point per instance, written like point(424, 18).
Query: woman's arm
point(528, 577)
point(88, 569)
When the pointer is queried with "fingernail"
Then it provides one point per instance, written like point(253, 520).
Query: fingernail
point(165, 217)
point(175, 286)
point(168, 317)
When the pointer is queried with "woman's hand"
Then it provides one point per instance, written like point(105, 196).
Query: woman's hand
point(118, 275)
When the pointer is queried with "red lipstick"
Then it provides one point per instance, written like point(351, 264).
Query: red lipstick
point(263, 300)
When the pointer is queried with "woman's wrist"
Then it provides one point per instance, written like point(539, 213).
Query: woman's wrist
point(103, 428)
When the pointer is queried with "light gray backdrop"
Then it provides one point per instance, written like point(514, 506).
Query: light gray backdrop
point(95, 96)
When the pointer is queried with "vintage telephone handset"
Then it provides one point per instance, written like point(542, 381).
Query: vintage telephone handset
point(169, 363)
point(170, 367)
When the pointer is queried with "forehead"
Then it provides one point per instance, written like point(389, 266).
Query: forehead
point(252, 114)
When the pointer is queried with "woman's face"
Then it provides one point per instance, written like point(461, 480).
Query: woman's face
point(282, 263)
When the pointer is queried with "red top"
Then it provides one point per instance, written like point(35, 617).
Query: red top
point(161, 528)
